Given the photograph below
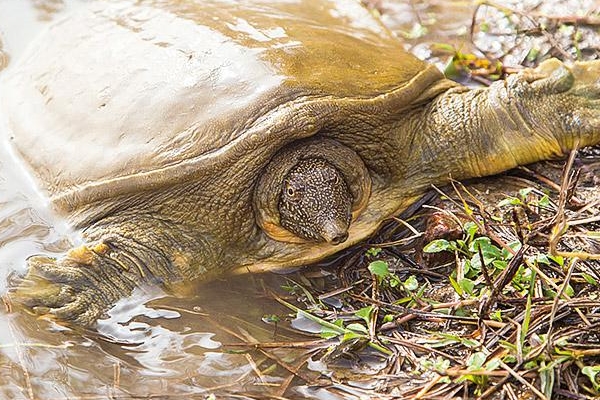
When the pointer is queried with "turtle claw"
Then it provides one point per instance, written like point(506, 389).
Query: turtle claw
point(550, 77)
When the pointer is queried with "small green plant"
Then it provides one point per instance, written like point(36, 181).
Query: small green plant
point(339, 329)
point(381, 270)
point(592, 373)
point(373, 252)
point(475, 363)
point(475, 252)
point(527, 197)
point(388, 279)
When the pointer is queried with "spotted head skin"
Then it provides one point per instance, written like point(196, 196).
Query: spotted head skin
point(315, 202)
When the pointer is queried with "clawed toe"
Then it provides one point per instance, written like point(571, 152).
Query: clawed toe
point(54, 301)
point(35, 291)
point(48, 269)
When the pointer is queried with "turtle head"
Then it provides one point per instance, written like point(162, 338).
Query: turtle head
point(315, 202)
point(310, 192)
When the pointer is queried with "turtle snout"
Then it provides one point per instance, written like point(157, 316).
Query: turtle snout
point(335, 233)
point(340, 238)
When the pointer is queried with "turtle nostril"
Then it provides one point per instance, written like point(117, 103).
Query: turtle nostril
point(334, 233)
point(340, 238)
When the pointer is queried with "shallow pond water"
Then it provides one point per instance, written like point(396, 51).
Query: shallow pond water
point(155, 344)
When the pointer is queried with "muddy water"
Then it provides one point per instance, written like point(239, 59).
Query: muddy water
point(154, 344)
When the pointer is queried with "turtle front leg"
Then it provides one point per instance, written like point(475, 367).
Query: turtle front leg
point(76, 288)
point(122, 253)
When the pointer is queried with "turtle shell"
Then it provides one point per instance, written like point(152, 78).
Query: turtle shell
point(120, 98)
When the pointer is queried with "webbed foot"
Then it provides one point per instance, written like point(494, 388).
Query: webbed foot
point(76, 289)
point(562, 100)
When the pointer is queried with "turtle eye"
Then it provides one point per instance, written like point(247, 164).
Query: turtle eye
point(292, 193)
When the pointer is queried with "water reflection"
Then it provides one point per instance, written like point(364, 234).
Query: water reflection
point(162, 347)
point(26, 224)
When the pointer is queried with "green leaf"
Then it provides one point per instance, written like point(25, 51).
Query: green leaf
point(331, 330)
point(437, 245)
point(327, 333)
point(544, 201)
point(496, 316)
point(366, 313)
point(533, 54)
point(441, 364)
point(476, 360)
point(490, 252)
point(492, 365)
point(416, 32)
point(525, 192)
point(589, 279)
point(542, 259)
point(526, 320)
point(379, 268)
point(592, 373)
point(271, 318)
point(450, 71)
point(439, 46)
point(569, 291)
point(560, 260)
point(456, 286)
point(470, 271)
point(510, 201)
point(509, 359)
point(467, 285)
point(374, 251)
point(500, 264)
point(471, 343)
point(514, 246)
point(470, 229)
point(468, 209)
point(546, 380)
point(411, 283)
point(533, 364)
point(358, 328)
point(349, 335)
point(394, 281)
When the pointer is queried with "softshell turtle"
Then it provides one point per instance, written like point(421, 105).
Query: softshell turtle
point(186, 138)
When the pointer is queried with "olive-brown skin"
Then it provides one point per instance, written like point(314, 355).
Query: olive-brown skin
point(194, 101)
